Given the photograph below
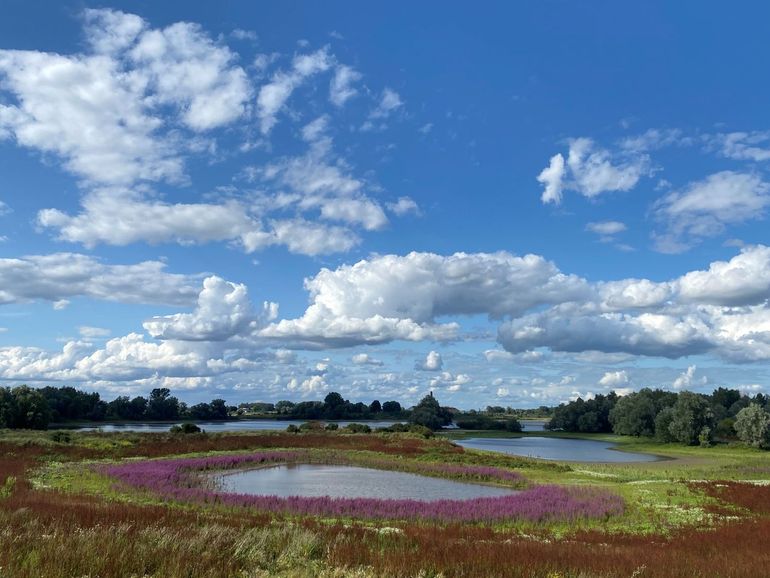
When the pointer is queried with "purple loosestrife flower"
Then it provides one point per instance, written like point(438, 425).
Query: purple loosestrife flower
point(175, 479)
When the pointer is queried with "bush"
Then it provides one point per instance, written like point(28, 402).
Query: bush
point(705, 437)
point(476, 422)
point(725, 428)
point(311, 426)
point(753, 426)
point(332, 427)
point(397, 428)
point(61, 437)
point(425, 432)
point(483, 422)
point(185, 428)
point(512, 425)
point(358, 428)
point(292, 429)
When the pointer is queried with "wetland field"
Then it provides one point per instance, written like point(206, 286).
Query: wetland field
point(339, 504)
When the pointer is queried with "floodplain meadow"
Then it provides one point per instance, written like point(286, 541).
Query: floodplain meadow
point(61, 517)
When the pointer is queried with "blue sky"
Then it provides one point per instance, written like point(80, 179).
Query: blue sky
point(510, 204)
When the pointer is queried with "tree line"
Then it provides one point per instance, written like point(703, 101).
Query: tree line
point(35, 408)
point(333, 407)
point(684, 417)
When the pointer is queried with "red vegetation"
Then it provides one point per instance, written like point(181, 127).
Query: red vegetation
point(755, 498)
point(167, 445)
point(733, 550)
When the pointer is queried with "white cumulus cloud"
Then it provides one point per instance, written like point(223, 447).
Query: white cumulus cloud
point(274, 95)
point(614, 379)
point(59, 277)
point(223, 310)
point(705, 208)
point(432, 362)
point(591, 171)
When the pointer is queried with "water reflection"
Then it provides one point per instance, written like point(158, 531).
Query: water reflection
point(350, 482)
point(220, 426)
point(533, 424)
point(571, 450)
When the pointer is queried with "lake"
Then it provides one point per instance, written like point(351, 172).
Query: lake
point(219, 426)
point(248, 425)
point(570, 450)
point(313, 480)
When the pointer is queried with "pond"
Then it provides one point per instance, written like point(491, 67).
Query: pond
point(569, 450)
point(217, 426)
point(311, 480)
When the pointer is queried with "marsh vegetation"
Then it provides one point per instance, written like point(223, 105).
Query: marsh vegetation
point(96, 504)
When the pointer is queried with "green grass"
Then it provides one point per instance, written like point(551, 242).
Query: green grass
point(658, 494)
point(122, 532)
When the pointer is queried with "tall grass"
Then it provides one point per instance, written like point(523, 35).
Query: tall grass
point(45, 533)
point(30, 548)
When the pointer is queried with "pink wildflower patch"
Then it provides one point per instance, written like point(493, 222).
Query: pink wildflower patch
point(176, 479)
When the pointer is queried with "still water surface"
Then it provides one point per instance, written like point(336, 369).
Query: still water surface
point(350, 482)
point(533, 424)
point(219, 426)
point(570, 450)
point(251, 425)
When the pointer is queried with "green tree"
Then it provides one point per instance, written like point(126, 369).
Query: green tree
point(284, 406)
point(725, 397)
point(119, 408)
point(722, 400)
point(334, 406)
point(634, 414)
point(30, 409)
point(138, 407)
point(725, 428)
point(67, 403)
point(430, 414)
point(7, 409)
point(512, 425)
point(662, 425)
point(753, 426)
point(745, 401)
point(308, 410)
point(391, 407)
point(494, 409)
point(200, 411)
point(129, 409)
point(218, 408)
point(334, 399)
point(162, 405)
point(590, 416)
point(375, 406)
point(692, 420)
